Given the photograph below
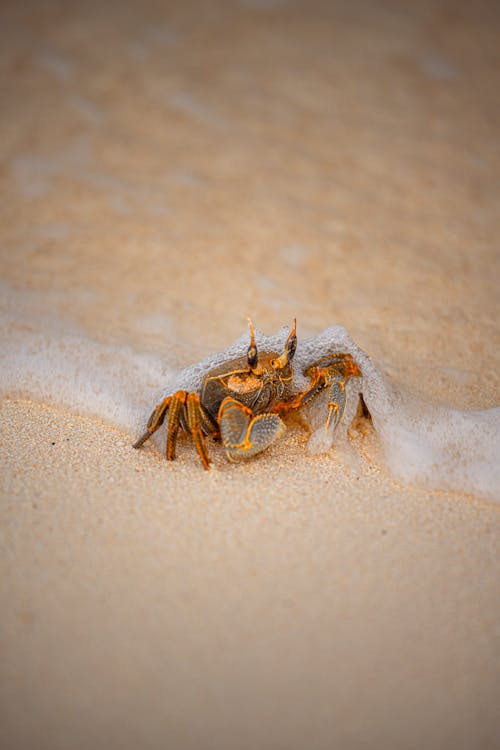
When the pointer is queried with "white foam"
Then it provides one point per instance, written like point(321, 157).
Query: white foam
point(51, 361)
point(48, 359)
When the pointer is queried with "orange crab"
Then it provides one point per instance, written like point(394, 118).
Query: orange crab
point(240, 401)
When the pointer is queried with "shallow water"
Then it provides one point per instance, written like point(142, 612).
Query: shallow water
point(50, 360)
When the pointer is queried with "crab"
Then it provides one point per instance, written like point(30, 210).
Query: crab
point(242, 401)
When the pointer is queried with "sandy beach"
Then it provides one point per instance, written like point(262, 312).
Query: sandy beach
point(166, 169)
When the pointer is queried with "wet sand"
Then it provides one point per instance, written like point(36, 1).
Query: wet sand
point(164, 172)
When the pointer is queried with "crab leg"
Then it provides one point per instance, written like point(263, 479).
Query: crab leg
point(208, 423)
point(328, 371)
point(194, 423)
point(336, 406)
point(184, 411)
point(174, 422)
point(316, 386)
point(155, 421)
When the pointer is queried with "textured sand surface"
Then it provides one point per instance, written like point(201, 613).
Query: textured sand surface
point(165, 169)
point(258, 606)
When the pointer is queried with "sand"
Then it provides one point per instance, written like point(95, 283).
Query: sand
point(166, 169)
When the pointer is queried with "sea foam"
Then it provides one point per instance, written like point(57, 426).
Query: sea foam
point(46, 359)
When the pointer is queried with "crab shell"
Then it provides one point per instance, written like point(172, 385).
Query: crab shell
point(258, 389)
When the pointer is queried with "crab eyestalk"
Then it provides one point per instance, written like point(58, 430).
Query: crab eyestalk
point(290, 347)
point(252, 353)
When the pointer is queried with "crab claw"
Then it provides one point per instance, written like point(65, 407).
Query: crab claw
point(243, 434)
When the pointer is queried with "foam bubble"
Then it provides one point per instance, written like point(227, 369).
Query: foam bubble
point(51, 361)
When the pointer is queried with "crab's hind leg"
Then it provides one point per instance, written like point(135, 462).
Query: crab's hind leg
point(184, 412)
point(243, 434)
point(196, 420)
point(174, 421)
point(155, 421)
point(333, 372)
point(336, 406)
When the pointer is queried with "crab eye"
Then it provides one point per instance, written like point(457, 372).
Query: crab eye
point(291, 344)
point(252, 356)
point(252, 353)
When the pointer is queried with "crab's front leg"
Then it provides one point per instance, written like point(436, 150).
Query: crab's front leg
point(243, 434)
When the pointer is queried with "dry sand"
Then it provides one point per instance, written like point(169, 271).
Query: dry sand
point(167, 168)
